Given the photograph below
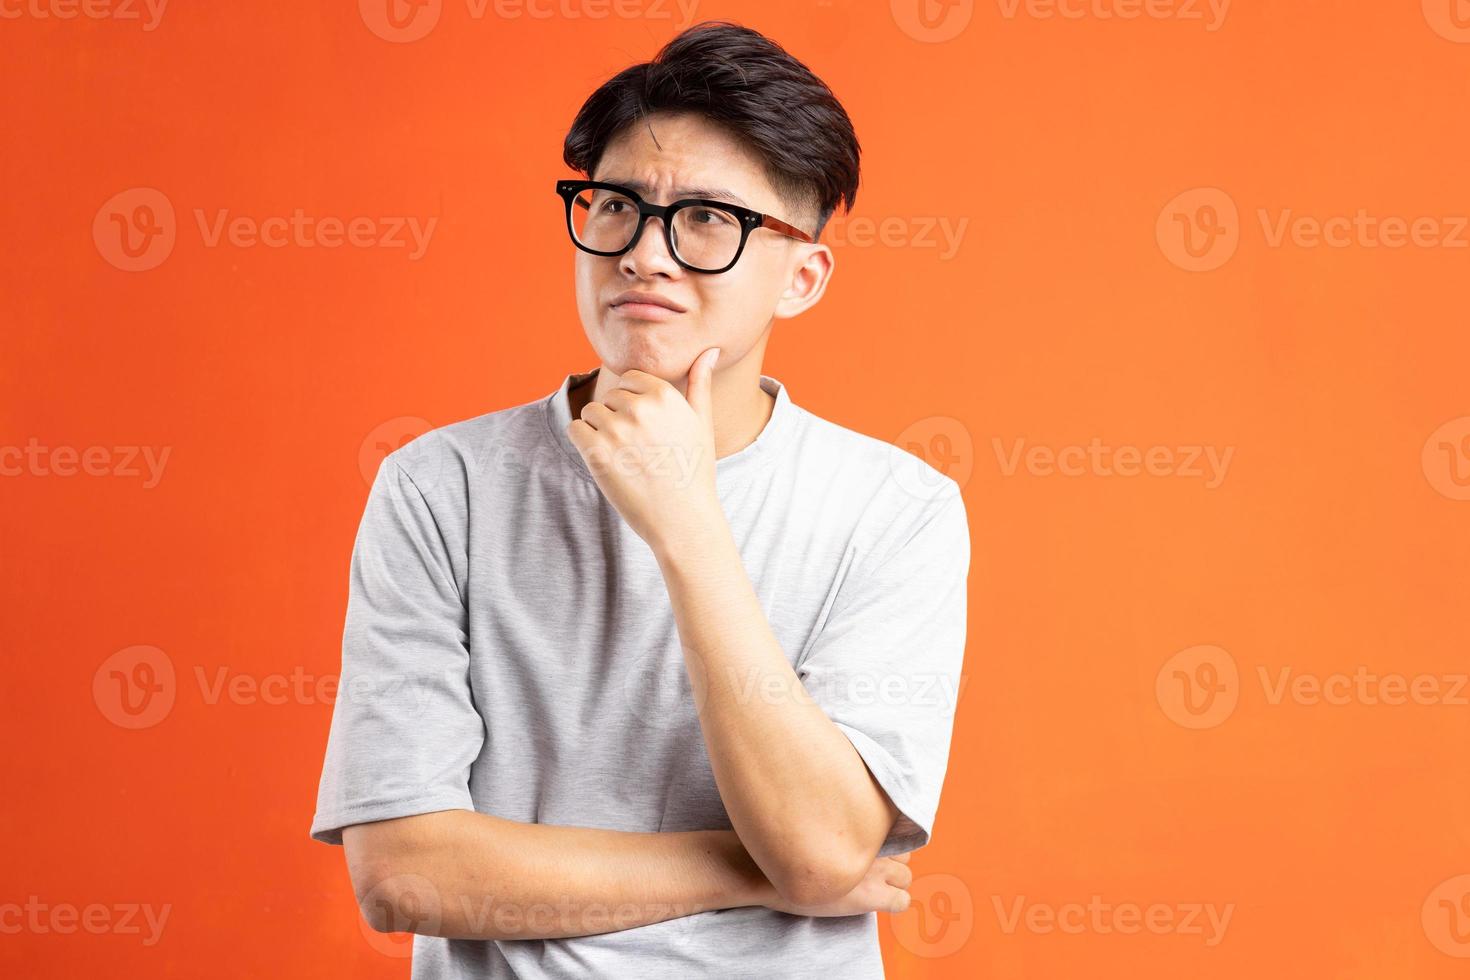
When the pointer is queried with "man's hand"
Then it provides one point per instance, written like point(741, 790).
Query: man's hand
point(883, 889)
point(652, 451)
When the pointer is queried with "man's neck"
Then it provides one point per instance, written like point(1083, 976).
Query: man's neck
point(742, 408)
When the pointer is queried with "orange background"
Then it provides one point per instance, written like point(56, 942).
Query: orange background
point(1337, 540)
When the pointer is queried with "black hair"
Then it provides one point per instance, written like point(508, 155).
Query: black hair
point(785, 115)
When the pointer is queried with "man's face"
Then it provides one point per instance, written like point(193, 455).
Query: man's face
point(733, 310)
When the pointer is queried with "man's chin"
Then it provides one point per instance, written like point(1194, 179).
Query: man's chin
point(665, 368)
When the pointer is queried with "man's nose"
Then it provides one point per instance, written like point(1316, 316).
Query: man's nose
point(651, 254)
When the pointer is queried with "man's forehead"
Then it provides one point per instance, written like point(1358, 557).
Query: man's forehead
point(687, 156)
point(713, 191)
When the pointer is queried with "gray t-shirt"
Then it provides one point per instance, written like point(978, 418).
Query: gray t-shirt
point(510, 648)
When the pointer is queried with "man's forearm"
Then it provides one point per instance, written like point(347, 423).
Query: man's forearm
point(797, 792)
point(466, 875)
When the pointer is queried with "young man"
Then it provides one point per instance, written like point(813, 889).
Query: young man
point(654, 677)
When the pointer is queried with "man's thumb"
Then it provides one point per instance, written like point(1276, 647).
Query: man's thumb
point(701, 376)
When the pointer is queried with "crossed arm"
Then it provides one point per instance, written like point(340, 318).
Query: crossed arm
point(467, 875)
point(808, 816)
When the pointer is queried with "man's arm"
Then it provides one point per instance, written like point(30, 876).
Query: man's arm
point(813, 819)
point(466, 875)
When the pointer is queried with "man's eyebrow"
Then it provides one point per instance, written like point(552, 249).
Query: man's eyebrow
point(714, 193)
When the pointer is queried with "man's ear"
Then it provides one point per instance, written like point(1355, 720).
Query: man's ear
point(808, 281)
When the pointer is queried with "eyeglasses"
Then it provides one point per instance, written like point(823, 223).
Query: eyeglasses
point(702, 235)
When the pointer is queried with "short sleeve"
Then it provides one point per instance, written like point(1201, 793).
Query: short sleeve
point(886, 664)
point(405, 729)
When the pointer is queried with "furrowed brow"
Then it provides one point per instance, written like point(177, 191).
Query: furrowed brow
point(714, 193)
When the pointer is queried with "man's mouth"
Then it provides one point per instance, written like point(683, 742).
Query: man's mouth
point(645, 306)
point(645, 311)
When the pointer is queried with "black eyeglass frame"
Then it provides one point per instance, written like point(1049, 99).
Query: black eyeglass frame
point(749, 220)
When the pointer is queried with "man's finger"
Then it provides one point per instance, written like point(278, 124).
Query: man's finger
point(699, 386)
point(638, 381)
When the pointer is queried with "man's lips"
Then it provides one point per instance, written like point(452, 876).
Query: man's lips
point(645, 311)
point(635, 298)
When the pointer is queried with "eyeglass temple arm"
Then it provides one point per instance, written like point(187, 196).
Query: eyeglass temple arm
point(776, 224)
